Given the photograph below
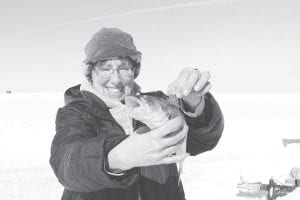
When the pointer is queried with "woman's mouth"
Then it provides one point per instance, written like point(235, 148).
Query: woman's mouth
point(114, 90)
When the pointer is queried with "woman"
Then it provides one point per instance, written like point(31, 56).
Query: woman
point(95, 153)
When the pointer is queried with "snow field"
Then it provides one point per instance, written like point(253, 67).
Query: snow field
point(250, 146)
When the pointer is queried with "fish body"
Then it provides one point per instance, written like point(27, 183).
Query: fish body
point(164, 109)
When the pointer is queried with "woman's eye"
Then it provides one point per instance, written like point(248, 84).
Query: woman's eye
point(125, 69)
point(105, 69)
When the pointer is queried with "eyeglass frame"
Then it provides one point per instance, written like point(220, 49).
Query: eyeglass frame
point(97, 67)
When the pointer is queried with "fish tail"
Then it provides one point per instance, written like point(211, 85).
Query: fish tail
point(180, 167)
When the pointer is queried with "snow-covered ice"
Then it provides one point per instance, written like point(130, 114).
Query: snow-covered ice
point(250, 146)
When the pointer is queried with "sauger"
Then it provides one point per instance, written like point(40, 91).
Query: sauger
point(168, 108)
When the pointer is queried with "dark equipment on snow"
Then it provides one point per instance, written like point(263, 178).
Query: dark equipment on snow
point(273, 188)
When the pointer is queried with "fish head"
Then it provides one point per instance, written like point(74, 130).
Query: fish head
point(148, 103)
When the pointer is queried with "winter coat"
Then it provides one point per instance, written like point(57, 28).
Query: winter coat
point(86, 132)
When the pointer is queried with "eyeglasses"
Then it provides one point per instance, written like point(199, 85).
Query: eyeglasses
point(124, 70)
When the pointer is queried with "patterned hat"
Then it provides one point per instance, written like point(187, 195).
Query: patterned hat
point(112, 43)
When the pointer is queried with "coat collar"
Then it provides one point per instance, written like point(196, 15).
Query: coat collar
point(96, 106)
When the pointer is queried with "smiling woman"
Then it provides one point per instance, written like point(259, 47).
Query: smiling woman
point(112, 72)
point(98, 153)
point(113, 79)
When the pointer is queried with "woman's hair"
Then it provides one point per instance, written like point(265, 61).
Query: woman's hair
point(91, 66)
point(89, 69)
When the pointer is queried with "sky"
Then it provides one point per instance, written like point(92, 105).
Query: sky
point(247, 45)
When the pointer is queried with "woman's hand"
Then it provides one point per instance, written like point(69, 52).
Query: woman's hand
point(190, 86)
point(151, 148)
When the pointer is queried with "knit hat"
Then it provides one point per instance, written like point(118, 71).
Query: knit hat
point(112, 43)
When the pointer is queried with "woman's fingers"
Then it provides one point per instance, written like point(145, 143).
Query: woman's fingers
point(177, 138)
point(169, 127)
point(190, 82)
point(172, 159)
point(181, 80)
point(171, 149)
point(206, 88)
point(205, 76)
point(189, 79)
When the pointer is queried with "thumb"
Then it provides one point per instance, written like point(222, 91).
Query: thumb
point(172, 88)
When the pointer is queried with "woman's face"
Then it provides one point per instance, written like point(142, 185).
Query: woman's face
point(114, 79)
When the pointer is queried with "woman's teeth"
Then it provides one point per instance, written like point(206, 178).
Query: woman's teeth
point(114, 90)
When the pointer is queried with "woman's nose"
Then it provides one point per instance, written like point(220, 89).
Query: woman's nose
point(115, 77)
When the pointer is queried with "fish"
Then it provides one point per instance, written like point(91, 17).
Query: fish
point(165, 109)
